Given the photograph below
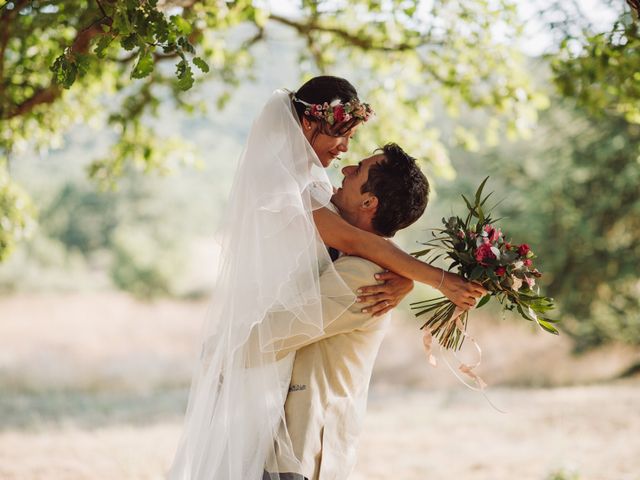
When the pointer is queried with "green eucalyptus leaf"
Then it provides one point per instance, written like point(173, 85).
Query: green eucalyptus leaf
point(483, 301)
point(479, 191)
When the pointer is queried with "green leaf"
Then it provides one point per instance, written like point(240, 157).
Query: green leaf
point(421, 253)
point(186, 45)
point(121, 21)
point(469, 206)
point(524, 314)
point(184, 74)
point(181, 24)
point(479, 191)
point(129, 42)
point(144, 66)
point(101, 45)
point(476, 272)
point(550, 320)
point(486, 198)
point(64, 71)
point(201, 64)
point(483, 301)
point(548, 327)
point(480, 213)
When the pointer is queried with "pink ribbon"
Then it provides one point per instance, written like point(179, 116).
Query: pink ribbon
point(467, 369)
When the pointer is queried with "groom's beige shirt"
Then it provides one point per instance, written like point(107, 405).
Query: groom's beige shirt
point(330, 381)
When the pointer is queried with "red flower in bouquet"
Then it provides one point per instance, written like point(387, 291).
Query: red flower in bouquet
point(484, 253)
point(523, 250)
point(501, 271)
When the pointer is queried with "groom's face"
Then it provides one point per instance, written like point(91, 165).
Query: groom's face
point(349, 197)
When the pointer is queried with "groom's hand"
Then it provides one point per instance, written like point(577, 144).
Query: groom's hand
point(463, 293)
point(383, 297)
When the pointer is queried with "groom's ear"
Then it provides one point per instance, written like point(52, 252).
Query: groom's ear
point(371, 203)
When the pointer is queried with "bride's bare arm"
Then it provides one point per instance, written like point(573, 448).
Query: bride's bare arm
point(341, 235)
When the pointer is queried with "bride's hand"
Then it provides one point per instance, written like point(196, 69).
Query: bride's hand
point(460, 291)
point(382, 298)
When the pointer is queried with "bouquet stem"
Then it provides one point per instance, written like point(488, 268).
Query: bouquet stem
point(443, 324)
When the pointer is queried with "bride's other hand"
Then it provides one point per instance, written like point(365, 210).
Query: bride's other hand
point(460, 291)
point(383, 297)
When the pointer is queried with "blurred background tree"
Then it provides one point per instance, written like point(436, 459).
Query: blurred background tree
point(448, 80)
point(584, 188)
point(572, 189)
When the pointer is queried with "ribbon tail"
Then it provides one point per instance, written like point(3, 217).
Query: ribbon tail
point(468, 370)
point(427, 342)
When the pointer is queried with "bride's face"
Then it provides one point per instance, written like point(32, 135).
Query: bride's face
point(326, 147)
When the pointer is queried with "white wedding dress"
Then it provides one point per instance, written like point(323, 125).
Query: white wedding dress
point(271, 259)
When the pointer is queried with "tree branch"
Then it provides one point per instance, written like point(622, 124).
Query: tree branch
point(255, 39)
point(51, 93)
point(635, 6)
point(365, 43)
point(43, 96)
point(104, 13)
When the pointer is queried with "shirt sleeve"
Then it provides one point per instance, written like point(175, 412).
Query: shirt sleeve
point(345, 314)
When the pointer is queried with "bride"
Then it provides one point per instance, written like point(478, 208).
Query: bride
point(277, 229)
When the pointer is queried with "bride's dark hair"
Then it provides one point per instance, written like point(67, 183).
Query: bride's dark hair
point(326, 88)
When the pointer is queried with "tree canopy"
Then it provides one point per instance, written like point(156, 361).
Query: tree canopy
point(106, 61)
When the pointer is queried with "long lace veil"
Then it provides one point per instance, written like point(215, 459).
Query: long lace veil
point(267, 296)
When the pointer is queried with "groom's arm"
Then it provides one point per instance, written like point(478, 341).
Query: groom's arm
point(340, 312)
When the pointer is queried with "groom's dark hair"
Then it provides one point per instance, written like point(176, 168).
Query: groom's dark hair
point(401, 187)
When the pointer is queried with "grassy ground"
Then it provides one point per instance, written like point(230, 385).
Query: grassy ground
point(93, 387)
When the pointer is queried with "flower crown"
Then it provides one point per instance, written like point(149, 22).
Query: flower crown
point(336, 111)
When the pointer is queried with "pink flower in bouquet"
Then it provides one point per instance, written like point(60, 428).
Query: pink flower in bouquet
point(530, 281)
point(527, 262)
point(523, 250)
point(484, 253)
point(501, 271)
point(493, 234)
point(460, 234)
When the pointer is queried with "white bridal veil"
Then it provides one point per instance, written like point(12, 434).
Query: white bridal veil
point(267, 298)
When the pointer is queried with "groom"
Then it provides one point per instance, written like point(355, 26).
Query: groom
point(330, 380)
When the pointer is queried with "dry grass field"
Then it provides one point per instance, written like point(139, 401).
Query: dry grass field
point(94, 386)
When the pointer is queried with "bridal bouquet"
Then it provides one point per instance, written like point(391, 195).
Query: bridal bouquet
point(481, 253)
